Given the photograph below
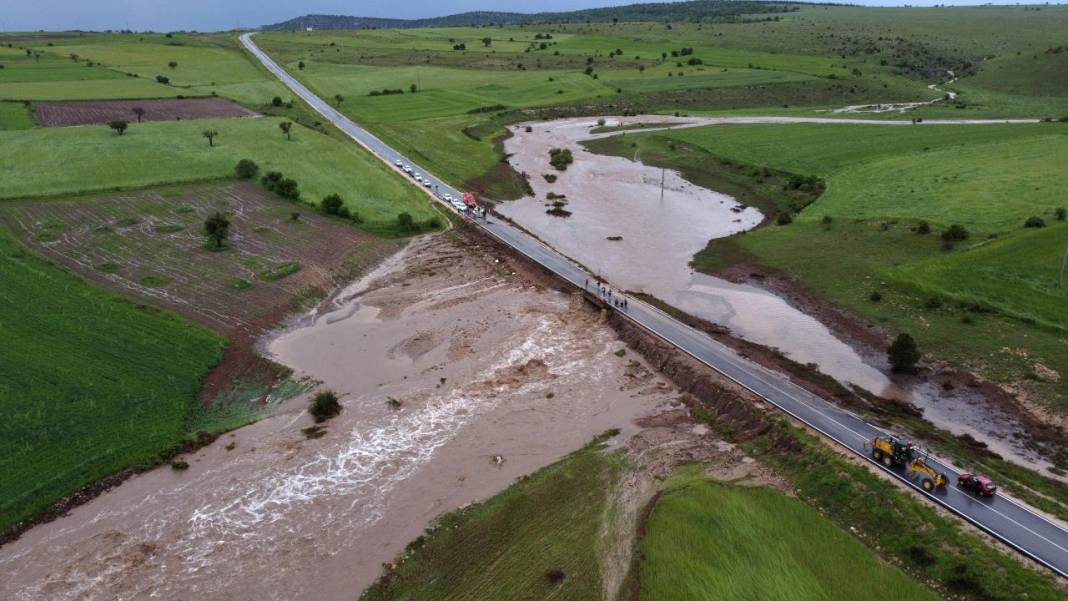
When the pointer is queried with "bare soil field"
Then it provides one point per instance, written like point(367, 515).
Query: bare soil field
point(150, 244)
point(65, 114)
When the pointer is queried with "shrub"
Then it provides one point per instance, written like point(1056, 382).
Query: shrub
point(246, 169)
point(178, 465)
point(324, 406)
point(332, 204)
point(903, 353)
point(1035, 221)
point(163, 79)
point(923, 228)
point(560, 158)
point(1060, 213)
point(827, 220)
point(955, 233)
point(276, 101)
point(405, 222)
point(281, 185)
point(784, 218)
point(876, 296)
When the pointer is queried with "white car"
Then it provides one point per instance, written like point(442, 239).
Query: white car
point(407, 169)
point(399, 162)
point(426, 183)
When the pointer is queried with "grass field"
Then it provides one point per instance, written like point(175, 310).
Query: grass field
point(65, 161)
point(696, 534)
point(90, 383)
point(14, 115)
point(506, 548)
point(881, 182)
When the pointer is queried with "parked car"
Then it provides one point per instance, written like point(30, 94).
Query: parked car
point(426, 183)
point(399, 162)
point(978, 484)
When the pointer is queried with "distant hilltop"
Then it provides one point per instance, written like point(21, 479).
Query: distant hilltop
point(718, 10)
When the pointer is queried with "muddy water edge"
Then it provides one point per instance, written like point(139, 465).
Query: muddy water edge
point(459, 369)
point(638, 226)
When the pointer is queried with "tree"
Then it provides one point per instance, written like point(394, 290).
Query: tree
point(413, 88)
point(1035, 221)
point(285, 126)
point(903, 353)
point(324, 406)
point(641, 68)
point(405, 222)
point(210, 134)
point(300, 65)
point(217, 229)
point(119, 126)
point(1060, 213)
point(339, 99)
point(955, 233)
point(173, 64)
point(246, 169)
point(163, 79)
point(138, 112)
point(276, 101)
point(487, 41)
point(73, 57)
point(332, 204)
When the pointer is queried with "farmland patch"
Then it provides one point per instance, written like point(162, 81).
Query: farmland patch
point(151, 244)
point(59, 114)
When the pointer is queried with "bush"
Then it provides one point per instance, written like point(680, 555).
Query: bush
point(332, 204)
point(955, 233)
point(405, 222)
point(276, 101)
point(903, 353)
point(281, 185)
point(560, 158)
point(923, 228)
point(178, 465)
point(875, 296)
point(784, 218)
point(163, 79)
point(1035, 221)
point(1060, 213)
point(246, 169)
point(324, 406)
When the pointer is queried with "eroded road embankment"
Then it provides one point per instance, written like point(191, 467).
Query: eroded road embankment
point(493, 374)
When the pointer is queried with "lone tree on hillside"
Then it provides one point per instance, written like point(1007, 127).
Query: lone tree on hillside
point(300, 65)
point(246, 169)
point(487, 41)
point(138, 112)
point(173, 64)
point(339, 99)
point(119, 126)
point(903, 353)
point(285, 126)
point(210, 134)
point(217, 229)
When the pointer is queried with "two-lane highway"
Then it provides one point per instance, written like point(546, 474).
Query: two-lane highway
point(1034, 535)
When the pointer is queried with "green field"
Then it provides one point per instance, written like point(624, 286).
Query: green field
point(506, 548)
point(708, 540)
point(90, 383)
point(996, 309)
point(65, 161)
point(14, 115)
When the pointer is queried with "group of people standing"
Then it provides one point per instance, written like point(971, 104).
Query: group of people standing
point(618, 301)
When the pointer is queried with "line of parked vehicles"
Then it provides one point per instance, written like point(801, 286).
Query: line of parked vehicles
point(460, 204)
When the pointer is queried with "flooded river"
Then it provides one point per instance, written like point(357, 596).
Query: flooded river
point(638, 226)
point(493, 378)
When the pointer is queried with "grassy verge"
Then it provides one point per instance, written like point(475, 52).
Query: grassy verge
point(536, 540)
point(122, 403)
point(706, 539)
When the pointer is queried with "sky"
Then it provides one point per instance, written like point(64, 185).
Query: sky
point(214, 15)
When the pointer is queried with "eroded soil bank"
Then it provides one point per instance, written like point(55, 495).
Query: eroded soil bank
point(459, 371)
point(639, 226)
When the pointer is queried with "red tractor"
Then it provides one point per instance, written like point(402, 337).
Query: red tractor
point(978, 484)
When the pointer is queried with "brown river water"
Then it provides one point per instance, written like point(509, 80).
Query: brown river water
point(663, 220)
point(496, 378)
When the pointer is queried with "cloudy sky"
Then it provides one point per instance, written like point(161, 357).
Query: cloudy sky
point(210, 15)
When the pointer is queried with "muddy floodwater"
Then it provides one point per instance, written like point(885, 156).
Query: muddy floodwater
point(639, 226)
point(457, 376)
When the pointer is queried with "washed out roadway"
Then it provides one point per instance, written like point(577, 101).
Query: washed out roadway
point(1032, 534)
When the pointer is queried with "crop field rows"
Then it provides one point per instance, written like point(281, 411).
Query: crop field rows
point(150, 244)
point(63, 114)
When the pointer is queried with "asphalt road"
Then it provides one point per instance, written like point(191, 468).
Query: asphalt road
point(1032, 534)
